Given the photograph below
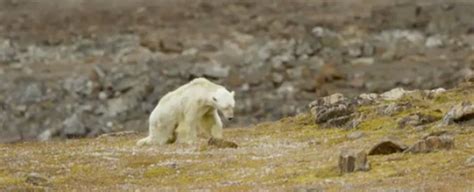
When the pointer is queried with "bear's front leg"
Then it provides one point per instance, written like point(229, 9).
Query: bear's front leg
point(210, 125)
point(216, 129)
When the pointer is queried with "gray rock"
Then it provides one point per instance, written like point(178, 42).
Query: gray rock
point(416, 120)
point(130, 100)
point(354, 51)
point(392, 36)
point(470, 161)
point(210, 69)
point(368, 50)
point(363, 61)
point(79, 86)
point(434, 41)
point(7, 55)
point(463, 112)
point(394, 94)
point(295, 73)
point(169, 45)
point(393, 108)
point(32, 93)
point(356, 135)
point(334, 110)
point(36, 179)
point(351, 161)
point(73, 126)
point(368, 96)
point(386, 147)
point(327, 37)
point(277, 78)
point(303, 48)
point(432, 143)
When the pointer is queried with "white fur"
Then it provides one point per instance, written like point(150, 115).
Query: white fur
point(189, 111)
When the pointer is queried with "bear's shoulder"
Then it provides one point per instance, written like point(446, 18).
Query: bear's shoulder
point(203, 82)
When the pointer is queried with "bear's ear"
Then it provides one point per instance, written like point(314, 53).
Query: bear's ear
point(232, 93)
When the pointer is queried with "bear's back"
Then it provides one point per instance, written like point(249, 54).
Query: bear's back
point(193, 85)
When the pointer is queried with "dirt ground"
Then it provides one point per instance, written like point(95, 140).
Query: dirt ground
point(292, 154)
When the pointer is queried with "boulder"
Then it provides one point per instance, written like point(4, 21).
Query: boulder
point(432, 143)
point(36, 179)
point(460, 113)
point(353, 160)
point(387, 147)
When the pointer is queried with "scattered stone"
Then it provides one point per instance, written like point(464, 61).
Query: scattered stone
point(48, 134)
point(333, 99)
point(73, 126)
point(363, 61)
point(211, 69)
point(103, 95)
point(33, 93)
point(368, 96)
point(393, 108)
point(171, 45)
point(434, 41)
point(435, 92)
point(387, 147)
point(117, 134)
point(36, 179)
point(277, 78)
point(333, 111)
point(220, 143)
point(354, 51)
point(351, 161)
point(436, 133)
point(356, 135)
point(470, 161)
point(416, 120)
point(432, 143)
point(79, 86)
point(461, 113)
point(368, 50)
point(394, 94)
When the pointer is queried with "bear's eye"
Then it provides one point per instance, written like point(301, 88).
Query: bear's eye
point(213, 98)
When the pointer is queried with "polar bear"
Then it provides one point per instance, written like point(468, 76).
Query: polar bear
point(189, 112)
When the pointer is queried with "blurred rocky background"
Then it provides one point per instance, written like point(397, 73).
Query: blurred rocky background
point(75, 68)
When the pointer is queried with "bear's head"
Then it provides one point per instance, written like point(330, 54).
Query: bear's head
point(223, 100)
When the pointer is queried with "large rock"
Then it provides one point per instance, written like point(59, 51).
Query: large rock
point(432, 143)
point(460, 113)
point(416, 120)
point(351, 161)
point(394, 94)
point(335, 111)
point(386, 147)
point(32, 93)
point(73, 126)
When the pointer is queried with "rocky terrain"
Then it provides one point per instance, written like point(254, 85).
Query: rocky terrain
point(363, 95)
point(401, 140)
point(82, 68)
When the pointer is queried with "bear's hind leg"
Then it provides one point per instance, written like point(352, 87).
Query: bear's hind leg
point(160, 134)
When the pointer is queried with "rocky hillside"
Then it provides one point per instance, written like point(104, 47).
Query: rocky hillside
point(75, 69)
point(396, 141)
